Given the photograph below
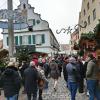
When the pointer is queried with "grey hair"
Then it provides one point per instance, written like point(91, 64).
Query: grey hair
point(32, 63)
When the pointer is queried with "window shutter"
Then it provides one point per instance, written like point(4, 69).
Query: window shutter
point(20, 40)
point(7, 41)
point(43, 38)
point(33, 22)
point(33, 36)
point(29, 39)
point(16, 40)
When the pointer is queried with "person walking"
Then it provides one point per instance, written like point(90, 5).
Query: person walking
point(42, 81)
point(31, 81)
point(81, 70)
point(21, 70)
point(59, 61)
point(46, 69)
point(65, 74)
point(54, 72)
point(73, 77)
point(11, 82)
point(92, 78)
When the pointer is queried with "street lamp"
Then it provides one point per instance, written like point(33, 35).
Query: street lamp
point(69, 29)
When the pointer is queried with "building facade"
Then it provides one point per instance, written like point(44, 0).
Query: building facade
point(65, 49)
point(29, 29)
point(90, 13)
point(74, 41)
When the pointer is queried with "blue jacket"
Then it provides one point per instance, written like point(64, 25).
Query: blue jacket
point(72, 70)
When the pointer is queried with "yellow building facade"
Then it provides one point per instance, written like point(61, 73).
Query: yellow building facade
point(90, 13)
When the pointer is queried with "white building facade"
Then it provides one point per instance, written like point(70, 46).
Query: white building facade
point(29, 29)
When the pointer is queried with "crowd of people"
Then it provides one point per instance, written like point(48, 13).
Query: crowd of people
point(34, 76)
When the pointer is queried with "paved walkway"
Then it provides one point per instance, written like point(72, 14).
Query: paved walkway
point(61, 93)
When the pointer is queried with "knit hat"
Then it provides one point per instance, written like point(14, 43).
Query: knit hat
point(32, 63)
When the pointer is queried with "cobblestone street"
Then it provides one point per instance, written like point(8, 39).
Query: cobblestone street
point(61, 93)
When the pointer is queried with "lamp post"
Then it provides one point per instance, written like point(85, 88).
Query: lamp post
point(10, 29)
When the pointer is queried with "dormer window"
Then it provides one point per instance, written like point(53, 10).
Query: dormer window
point(24, 6)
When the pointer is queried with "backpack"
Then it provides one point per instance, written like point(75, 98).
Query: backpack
point(76, 73)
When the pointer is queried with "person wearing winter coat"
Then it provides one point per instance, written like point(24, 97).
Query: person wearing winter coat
point(22, 69)
point(59, 61)
point(54, 72)
point(11, 82)
point(46, 69)
point(81, 70)
point(42, 81)
point(65, 74)
point(92, 78)
point(73, 77)
point(31, 81)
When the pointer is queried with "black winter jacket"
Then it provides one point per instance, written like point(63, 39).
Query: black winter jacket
point(31, 77)
point(11, 81)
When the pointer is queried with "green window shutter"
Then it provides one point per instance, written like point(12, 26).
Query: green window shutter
point(33, 22)
point(20, 40)
point(43, 38)
point(38, 21)
point(7, 41)
point(33, 36)
point(29, 39)
point(16, 40)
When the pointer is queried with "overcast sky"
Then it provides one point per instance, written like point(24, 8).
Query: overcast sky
point(58, 13)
